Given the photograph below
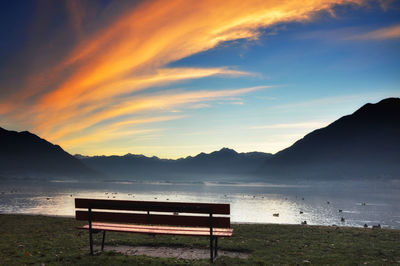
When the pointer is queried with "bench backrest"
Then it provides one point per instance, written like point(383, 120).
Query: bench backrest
point(157, 213)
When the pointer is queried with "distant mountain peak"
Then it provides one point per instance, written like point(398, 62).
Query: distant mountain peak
point(225, 152)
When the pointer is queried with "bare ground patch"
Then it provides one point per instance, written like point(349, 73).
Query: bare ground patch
point(171, 252)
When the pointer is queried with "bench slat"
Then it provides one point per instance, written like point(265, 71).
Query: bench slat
point(129, 205)
point(159, 230)
point(154, 219)
point(169, 227)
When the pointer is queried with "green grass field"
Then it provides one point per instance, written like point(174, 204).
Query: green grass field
point(41, 240)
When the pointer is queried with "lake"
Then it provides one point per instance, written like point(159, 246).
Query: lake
point(318, 203)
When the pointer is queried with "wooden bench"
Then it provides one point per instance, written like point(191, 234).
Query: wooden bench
point(155, 218)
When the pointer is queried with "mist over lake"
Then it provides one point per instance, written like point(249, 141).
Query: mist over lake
point(318, 203)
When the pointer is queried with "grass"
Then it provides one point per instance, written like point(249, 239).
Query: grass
point(41, 240)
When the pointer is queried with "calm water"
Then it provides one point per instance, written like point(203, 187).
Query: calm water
point(250, 203)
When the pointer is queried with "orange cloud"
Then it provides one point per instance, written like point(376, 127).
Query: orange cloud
point(161, 77)
point(155, 34)
point(102, 97)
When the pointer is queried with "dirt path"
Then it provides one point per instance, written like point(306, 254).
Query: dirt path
point(170, 252)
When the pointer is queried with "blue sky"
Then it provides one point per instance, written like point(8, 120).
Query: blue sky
point(142, 77)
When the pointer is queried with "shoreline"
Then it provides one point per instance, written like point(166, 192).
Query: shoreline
point(233, 223)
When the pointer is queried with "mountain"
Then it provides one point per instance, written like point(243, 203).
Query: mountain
point(23, 154)
point(216, 164)
point(365, 144)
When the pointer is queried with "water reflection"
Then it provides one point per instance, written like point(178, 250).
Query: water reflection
point(250, 203)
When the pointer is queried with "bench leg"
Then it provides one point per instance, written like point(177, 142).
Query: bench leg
point(211, 249)
point(216, 247)
point(91, 242)
point(90, 230)
point(102, 242)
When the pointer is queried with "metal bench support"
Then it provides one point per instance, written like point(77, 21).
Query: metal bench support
point(102, 242)
point(90, 231)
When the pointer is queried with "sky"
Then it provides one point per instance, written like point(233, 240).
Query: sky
point(179, 77)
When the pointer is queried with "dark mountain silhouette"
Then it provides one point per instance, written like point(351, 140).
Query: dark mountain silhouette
point(218, 163)
point(365, 144)
point(23, 154)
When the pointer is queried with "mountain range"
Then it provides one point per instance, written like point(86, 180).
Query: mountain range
point(218, 164)
point(365, 144)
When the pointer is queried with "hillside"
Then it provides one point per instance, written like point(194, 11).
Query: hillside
point(365, 144)
point(23, 154)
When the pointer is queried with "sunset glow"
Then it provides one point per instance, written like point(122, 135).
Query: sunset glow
point(175, 78)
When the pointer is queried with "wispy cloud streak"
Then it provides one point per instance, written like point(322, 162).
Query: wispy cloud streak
point(304, 125)
point(392, 32)
point(161, 102)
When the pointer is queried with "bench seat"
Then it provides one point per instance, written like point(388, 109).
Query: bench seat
point(160, 230)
